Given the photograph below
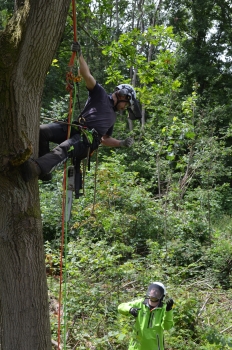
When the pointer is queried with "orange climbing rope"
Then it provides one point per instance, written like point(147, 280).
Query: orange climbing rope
point(70, 81)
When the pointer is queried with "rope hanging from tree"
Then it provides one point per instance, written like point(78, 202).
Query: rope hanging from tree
point(71, 81)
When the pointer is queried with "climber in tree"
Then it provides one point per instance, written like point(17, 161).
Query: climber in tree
point(99, 114)
point(152, 315)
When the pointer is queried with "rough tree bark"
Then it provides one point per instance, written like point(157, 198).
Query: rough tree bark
point(27, 47)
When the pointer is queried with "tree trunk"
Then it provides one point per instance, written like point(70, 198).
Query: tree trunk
point(27, 47)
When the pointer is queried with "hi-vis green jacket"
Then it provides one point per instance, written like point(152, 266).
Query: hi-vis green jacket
point(149, 325)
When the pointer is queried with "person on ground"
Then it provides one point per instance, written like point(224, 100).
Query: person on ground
point(98, 116)
point(152, 315)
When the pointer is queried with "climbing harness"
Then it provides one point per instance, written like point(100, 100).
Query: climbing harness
point(74, 171)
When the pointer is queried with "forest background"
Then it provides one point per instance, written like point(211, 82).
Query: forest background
point(163, 208)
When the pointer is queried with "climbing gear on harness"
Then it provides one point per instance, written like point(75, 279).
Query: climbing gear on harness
point(75, 182)
point(88, 134)
point(81, 120)
point(70, 80)
point(91, 135)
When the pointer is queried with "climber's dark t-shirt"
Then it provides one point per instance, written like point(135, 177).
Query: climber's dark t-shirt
point(98, 112)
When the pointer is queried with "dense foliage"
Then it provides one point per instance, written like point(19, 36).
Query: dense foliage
point(127, 238)
point(163, 208)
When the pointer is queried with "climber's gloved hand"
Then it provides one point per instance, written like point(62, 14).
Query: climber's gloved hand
point(134, 311)
point(169, 304)
point(128, 142)
point(76, 47)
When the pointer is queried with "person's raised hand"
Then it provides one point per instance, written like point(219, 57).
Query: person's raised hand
point(76, 47)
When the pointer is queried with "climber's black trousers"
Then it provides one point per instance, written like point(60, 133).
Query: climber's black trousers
point(57, 133)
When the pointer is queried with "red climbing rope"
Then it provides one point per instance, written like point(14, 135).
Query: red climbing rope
point(70, 79)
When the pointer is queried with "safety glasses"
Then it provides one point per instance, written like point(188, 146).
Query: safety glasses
point(153, 299)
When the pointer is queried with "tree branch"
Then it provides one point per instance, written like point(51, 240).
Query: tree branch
point(90, 36)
